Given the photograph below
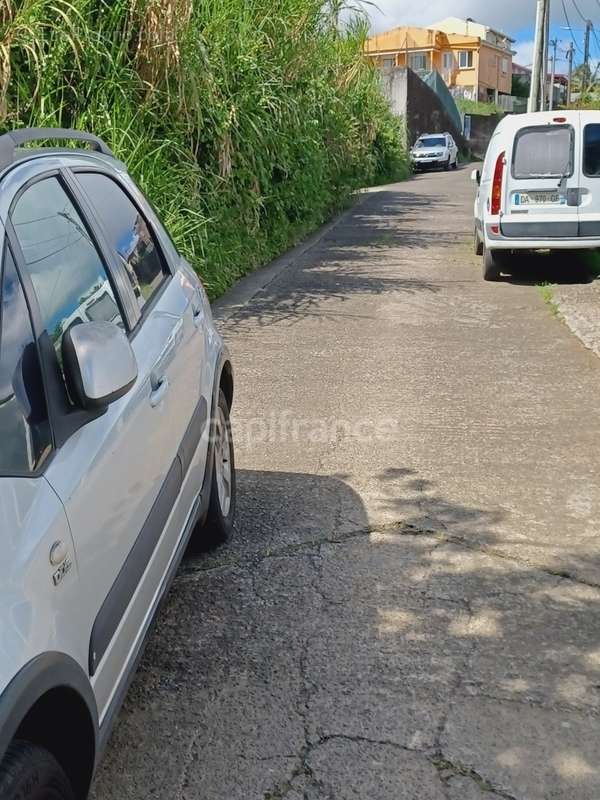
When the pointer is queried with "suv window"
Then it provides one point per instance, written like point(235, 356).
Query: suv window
point(432, 141)
point(591, 151)
point(543, 152)
point(69, 278)
point(67, 272)
point(24, 427)
point(129, 234)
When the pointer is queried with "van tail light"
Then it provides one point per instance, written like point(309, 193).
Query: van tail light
point(497, 185)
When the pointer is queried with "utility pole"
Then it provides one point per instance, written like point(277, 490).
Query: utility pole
point(586, 56)
point(554, 44)
point(570, 54)
point(544, 88)
point(538, 57)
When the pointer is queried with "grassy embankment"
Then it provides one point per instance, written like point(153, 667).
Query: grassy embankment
point(247, 122)
point(476, 107)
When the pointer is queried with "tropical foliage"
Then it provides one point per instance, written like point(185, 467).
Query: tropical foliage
point(247, 122)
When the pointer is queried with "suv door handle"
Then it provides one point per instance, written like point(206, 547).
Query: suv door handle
point(159, 389)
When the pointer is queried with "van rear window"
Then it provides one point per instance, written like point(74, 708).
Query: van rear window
point(591, 151)
point(543, 152)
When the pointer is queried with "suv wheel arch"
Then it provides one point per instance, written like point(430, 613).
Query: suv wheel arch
point(50, 703)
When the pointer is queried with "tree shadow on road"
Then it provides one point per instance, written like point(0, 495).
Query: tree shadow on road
point(321, 655)
point(354, 259)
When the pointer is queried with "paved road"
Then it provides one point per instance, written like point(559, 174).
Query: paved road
point(411, 606)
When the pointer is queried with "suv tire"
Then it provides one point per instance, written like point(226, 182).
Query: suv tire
point(218, 525)
point(492, 265)
point(29, 772)
point(447, 165)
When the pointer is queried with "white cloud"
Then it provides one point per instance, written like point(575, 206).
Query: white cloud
point(524, 53)
point(511, 14)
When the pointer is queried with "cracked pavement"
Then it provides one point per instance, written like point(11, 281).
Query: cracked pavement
point(410, 606)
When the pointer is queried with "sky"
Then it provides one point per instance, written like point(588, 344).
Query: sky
point(514, 17)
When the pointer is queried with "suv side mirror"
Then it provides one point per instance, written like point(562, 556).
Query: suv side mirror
point(476, 176)
point(99, 364)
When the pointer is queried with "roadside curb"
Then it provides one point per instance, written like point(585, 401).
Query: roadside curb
point(578, 305)
point(250, 285)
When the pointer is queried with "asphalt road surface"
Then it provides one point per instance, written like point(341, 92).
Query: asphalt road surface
point(411, 605)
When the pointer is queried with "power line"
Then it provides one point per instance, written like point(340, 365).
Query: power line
point(569, 25)
point(596, 38)
point(578, 10)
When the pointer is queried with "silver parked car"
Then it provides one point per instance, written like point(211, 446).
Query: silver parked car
point(115, 449)
point(434, 150)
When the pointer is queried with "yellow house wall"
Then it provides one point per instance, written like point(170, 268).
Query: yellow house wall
point(490, 70)
point(485, 73)
point(398, 39)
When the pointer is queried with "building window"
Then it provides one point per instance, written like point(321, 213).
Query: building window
point(465, 59)
point(388, 63)
point(447, 61)
point(418, 62)
point(505, 66)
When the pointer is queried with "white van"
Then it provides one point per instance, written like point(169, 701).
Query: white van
point(539, 188)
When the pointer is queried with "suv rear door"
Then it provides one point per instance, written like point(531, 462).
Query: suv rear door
point(542, 184)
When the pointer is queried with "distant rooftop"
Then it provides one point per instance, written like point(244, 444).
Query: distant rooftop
point(464, 26)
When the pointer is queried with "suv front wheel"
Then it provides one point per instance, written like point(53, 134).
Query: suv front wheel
point(218, 525)
point(29, 772)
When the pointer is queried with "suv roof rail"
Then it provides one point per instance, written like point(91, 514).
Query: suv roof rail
point(10, 141)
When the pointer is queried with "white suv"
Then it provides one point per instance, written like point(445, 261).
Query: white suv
point(115, 391)
point(434, 150)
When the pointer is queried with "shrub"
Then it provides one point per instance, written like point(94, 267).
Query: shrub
point(475, 107)
point(247, 122)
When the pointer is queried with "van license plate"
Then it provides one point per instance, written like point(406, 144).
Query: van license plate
point(539, 199)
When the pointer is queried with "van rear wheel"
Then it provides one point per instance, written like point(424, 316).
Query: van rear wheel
point(492, 265)
point(477, 243)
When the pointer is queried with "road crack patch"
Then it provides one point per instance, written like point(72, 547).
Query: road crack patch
point(448, 770)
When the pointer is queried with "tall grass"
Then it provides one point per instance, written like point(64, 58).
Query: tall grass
point(247, 122)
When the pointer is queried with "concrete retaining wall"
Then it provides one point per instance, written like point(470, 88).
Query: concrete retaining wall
point(418, 104)
point(482, 128)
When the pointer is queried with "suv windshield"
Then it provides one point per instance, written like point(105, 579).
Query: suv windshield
point(431, 141)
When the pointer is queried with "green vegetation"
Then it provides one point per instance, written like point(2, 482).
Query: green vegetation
point(247, 122)
point(520, 86)
point(547, 292)
point(475, 107)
